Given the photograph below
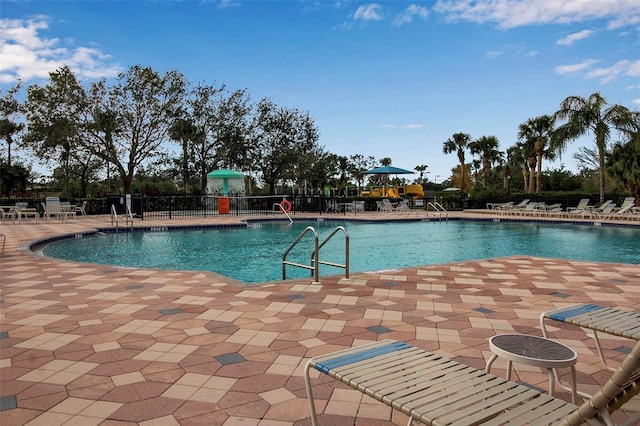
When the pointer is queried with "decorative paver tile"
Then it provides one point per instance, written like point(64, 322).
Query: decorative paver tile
point(141, 326)
point(48, 341)
point(166, 352)
point(59, 372)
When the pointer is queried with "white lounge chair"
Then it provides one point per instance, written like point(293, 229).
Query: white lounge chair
point(53, 208)
point(582, 209)
point(624, 211)
point(8, 213)
point(81, 209)
point(435, 390)
point(386, 205)
point(604, 208)
point(403, 206)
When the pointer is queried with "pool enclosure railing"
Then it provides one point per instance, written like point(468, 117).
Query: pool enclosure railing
point(315, 263)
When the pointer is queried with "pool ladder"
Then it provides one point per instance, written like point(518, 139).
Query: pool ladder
point(128, 216)
point(437, 207)
point(315, 256)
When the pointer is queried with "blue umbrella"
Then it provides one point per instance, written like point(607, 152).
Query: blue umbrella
point(388, 170)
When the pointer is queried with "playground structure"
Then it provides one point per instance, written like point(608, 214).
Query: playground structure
point(401, 191)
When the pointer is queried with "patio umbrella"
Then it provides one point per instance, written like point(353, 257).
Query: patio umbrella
point(388, 170)
point(225, 175)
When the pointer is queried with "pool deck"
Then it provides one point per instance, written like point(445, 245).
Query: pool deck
point(92, 344)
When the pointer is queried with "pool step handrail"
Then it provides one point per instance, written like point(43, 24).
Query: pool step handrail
point(282, 209)
point(314, 267)
point(129, 216)
point(115, 218)
point(316, 255)
point(437, 207)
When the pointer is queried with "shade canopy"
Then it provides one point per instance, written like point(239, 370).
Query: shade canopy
point(388, 170)
point(225, 174)
point(225, 180)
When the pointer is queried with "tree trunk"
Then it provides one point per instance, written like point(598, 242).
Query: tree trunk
point(539, 174)
point(532, 175)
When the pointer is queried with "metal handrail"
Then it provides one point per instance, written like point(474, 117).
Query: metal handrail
point(114, 216)
point(337, 265)
point(438, 208)
point(314, 267)
point(129, 216)
point(283, 211)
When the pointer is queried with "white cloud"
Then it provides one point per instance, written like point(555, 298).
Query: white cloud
point(26, 55)
point(388, 126)
point(413, 126)
point(575, 68)
point(368, 12)
point(636, 101)
point(620, 68)
point(572, 38)
point(623, 68)
point(516, 13)
point(409, 13)
point(226, 4)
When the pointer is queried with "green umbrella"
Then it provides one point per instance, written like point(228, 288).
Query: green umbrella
point(225, 175)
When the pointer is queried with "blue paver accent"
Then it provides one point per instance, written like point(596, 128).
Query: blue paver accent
point(228, 359)
point(8, 403)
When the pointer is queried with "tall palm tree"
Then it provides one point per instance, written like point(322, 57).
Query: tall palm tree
point(538, 133)
point(519, 154)
point(458, 143)
point(590, 115)
point(421, 169)
point(487, 148)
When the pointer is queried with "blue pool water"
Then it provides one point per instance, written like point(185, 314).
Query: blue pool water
point(255, 254)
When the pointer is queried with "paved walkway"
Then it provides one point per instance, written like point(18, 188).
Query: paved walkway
point(90, 344)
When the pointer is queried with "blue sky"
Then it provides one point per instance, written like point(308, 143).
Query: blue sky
point(387, 78)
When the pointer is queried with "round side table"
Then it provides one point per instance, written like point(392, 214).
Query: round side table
point(535, 351)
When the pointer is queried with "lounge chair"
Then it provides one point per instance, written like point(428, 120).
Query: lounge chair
point(434, 390)
point(82, 209)
point(530, 209)
point(514, 208)
point(582, 209)
point(403, 206)
point(604, 211)
point(624, 211)
point(386, 205)
point(53, 208)
point(596, 211)
point(8, 213)
point(582, 205)
point(501, 206)
point(613, 321)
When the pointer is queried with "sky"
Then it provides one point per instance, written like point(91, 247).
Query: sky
point(389, 79)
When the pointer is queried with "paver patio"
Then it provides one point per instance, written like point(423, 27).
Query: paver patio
point(94, 344)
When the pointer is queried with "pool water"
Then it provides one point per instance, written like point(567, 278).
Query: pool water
point(255, 254)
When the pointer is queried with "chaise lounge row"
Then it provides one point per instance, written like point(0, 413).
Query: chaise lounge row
point(607, 210)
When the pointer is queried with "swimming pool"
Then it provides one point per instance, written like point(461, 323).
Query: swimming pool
point(254, 254)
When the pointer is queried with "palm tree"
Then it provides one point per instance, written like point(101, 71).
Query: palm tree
point(519, 155)
point(538, 133)
point(487, 148)
point(421, 169)
point(592, 114)
point(458, 143)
